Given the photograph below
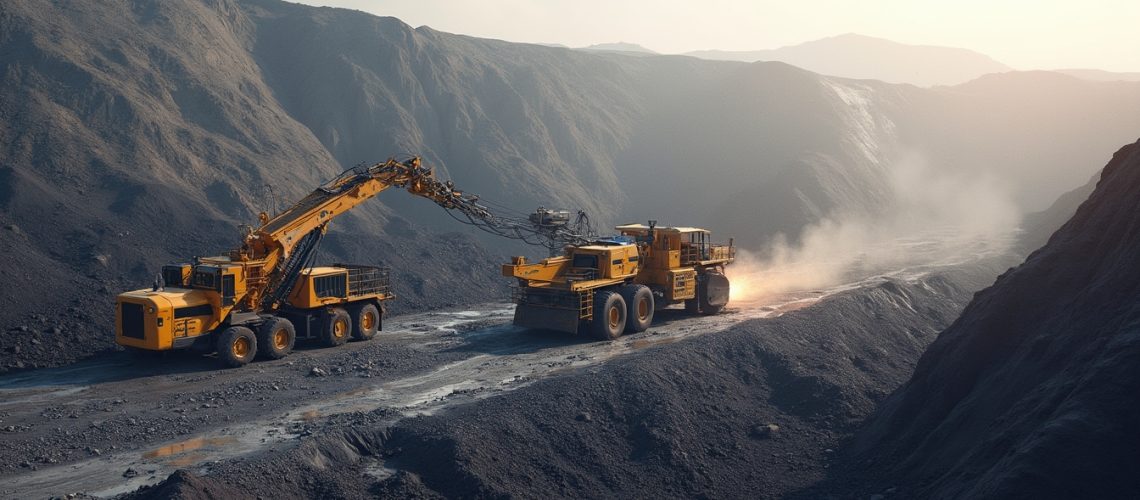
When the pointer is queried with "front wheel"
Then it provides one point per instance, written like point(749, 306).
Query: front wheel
point(366, 322)
point(236, 346)
point(336, 328)
point(609, 315)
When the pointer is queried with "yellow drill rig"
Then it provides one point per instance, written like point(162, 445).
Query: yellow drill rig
point(613, 285)
point(258, 299)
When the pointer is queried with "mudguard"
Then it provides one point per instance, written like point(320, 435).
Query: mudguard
point(713, 290)
point(547, 318)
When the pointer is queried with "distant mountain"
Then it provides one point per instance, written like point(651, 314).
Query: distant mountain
point(864, 57)
point(620, 47)
point(1031, 393)
point(1097, 75)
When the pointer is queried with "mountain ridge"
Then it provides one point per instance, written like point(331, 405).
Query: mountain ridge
point(858, 56)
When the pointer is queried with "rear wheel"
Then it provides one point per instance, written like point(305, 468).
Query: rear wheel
point(639, 301)
point(609, 315)
point(275, 338)
point(366, 321)
point(336, 328)
point(712, 292)
point(237, 346)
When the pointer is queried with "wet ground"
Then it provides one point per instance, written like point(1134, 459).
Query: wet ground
point(104, 427)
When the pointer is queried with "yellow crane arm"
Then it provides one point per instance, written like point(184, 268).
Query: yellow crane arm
point(277, 236)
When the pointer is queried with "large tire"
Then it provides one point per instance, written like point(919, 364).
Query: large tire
point(335, 327)
point(639, 305)
point(712, 292)
point(365, 321)
point(693, 306)
point(609, 315)
point(275, 338)
point(237, 346)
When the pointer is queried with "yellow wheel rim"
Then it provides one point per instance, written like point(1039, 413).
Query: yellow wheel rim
point(240, 347)
point(340, 328)
point(615, 317)
point(367, 320)
point(642, 309)
point(281, 339)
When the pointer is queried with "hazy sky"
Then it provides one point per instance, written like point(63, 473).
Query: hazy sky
point(1025, 34)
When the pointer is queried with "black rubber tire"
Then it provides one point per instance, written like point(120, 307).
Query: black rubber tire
point(275, 338)
point(336, 327)
point(610, 315)
point(365, 321)
point(639, 307)
point(706, 282)
point(692, 306)
point(237, 346)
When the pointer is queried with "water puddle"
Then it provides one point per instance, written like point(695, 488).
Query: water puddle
point(189, 445)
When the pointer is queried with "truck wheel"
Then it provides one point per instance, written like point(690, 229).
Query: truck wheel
point(639, 301)
point(609, 315)
point(336, 328)
point(365, 322)
point(236, 346)
point(712, 292)
point(275, 338)
point(692, 306)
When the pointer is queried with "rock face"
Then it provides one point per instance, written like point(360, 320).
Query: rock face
point(1039, 226)
point(1031, 393)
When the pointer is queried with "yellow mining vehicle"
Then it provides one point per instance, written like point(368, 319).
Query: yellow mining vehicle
point(258, 299)
point(613, 285)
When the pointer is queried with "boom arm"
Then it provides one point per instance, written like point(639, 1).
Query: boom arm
point(283, 232)
point(270, 247)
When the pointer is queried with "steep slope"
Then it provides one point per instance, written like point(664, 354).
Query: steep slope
point(863, 57)
point(1031, 392)
point(1039, 226)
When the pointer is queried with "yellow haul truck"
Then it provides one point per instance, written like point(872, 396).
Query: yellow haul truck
point(258, 299)
point(613, 285)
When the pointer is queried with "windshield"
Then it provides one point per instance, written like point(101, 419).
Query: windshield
point(205, 277)
point(585, 260)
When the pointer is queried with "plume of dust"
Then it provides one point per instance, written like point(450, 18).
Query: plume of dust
point(936, 217)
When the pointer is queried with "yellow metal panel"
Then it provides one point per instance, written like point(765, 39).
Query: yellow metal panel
point(683, 284)
point(160, 326)
point(544, 270)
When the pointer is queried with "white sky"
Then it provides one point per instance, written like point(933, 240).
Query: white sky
point(1025, 34)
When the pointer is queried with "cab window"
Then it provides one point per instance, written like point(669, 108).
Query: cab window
point(585, 261)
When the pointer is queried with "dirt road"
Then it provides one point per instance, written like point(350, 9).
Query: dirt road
point(108, 426)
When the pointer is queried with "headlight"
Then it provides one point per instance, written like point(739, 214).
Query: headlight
point(150, 310)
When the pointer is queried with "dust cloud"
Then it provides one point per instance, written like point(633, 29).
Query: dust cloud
point(937, 218)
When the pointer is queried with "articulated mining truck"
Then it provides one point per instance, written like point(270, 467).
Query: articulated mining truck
point(613, 285)
point(259, 299)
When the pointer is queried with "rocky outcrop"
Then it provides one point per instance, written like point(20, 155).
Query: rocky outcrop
point(1031, 393)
